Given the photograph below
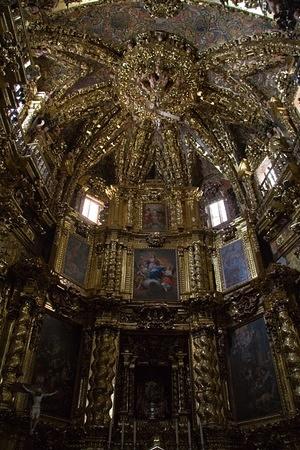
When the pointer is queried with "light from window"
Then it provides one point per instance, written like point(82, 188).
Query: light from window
point(91, 209)
point(217, 213)
point(266, 175)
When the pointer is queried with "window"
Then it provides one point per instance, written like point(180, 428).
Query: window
point(217, 213)
point(39, 160)
point(266, 175)
point(91, 209)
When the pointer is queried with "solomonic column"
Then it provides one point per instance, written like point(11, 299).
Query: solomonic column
point(207, 381)
point(103, 373)
point(14, 359)
point(290, 343)
point(286, 344)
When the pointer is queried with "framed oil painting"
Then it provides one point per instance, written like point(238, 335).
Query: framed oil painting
point(234, 264)
point(76, 259)
point(56, 364)
point(253, 379)
point(154, 217)
point(155, 275)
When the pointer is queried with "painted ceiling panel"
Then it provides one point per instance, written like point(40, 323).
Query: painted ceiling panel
point(204, 26)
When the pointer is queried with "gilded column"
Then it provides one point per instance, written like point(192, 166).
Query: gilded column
point(119, 259)
point(291, 349)
point(129, 218)
point(105, 266)
point(182, 404)
point(200, 270)
point(30, 347)
point(6, 323)
point(192, 269)
point(12, 368)
point(172, 202)
point(179, 213)
point(102, 380)
point(88, 336)
point(248, 184)
point(111, 280)
point(175, 389)
point(207, 382)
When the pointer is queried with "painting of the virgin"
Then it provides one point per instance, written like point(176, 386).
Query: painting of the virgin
point(155, 275)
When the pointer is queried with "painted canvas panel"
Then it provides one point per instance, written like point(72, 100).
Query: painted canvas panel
point(234, 264)
point(154, 217)
point(155, 275)
point(76, 259)
point(56, 363)
point(253, 379)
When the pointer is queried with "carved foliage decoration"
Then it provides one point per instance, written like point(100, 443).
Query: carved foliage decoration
point(157, 317)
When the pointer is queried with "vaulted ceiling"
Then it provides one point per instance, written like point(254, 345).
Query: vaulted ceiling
point(128, 92)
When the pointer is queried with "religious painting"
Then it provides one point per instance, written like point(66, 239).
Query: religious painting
point(292, 260)
point(155, 275)
point(153, 392)
point(154, 217)
point(234, 264)
point(76, 259)
point(56, 364)
point(253, 380)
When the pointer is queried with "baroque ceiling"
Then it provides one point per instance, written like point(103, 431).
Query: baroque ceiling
point(129, 93)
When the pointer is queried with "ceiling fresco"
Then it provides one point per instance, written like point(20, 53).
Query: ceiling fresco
point(204, 26)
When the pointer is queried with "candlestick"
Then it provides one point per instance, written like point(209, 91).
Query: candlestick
point(189, 435)
point(122, 434)
point(176, 434)
point(134, 435)
point(199, 423)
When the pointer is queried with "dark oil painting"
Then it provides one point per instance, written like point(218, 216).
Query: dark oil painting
point(56, 363)
point(76, 259)
point(155, 275)
point(253, 379)
point(234, 264)
point(154, 217)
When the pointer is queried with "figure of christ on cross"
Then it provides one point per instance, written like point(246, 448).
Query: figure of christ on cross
point(37, 397)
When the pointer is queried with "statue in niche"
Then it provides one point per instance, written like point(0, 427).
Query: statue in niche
point(154, 394)
point(151, 403)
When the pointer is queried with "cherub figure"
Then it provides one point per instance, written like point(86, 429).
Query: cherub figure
point(37, 397)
